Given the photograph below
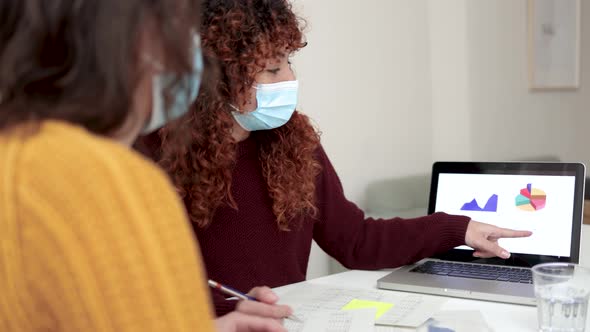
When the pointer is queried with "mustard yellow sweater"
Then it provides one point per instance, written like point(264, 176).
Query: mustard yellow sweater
point(92, 238)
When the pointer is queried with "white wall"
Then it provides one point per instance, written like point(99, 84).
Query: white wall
point(449, 80)
point(365, 81)
point(397, 84)
point(504, 113)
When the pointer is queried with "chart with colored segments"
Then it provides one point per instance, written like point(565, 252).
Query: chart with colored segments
point(531, 199)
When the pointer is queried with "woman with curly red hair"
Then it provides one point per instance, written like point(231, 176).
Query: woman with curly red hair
point(255, 180)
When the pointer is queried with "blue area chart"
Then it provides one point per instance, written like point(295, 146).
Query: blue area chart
point(491, 205)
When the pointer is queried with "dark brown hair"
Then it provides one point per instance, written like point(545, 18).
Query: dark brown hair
point(77, 61)
point(242, 35)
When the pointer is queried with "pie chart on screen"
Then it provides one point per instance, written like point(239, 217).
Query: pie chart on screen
point(530, 198)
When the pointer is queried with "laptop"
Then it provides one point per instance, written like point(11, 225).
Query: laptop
point(545, 198)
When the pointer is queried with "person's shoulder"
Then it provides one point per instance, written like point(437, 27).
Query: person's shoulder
point(72, 147)
point(321, 155)
point(61, 157)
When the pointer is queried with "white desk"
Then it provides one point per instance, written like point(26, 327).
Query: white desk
point(501, 317)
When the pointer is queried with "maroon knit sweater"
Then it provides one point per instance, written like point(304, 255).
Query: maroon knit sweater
point(244, 248)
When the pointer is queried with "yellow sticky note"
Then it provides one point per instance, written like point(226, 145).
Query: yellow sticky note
point(381, 307)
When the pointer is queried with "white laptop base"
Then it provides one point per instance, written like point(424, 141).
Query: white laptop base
point(488, 290)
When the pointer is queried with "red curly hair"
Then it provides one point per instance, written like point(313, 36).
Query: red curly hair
point(242, 35)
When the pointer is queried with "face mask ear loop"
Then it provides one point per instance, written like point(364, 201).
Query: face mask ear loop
point(235, 108)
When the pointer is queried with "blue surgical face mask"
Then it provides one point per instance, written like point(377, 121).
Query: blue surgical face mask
point(276, 104)
point(181, 97)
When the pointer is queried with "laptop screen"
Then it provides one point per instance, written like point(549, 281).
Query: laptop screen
point(545, 198)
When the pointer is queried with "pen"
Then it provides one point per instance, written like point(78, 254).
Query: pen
point(230, 291)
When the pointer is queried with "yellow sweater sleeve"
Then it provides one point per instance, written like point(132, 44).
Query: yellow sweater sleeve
point(93, 238)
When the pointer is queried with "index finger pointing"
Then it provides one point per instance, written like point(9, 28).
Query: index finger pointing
point(511, 233)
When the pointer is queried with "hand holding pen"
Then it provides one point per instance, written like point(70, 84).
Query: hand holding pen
point(260, 301)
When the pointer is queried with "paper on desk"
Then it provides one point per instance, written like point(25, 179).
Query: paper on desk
point(362, 320)
point(459, 321)
point(383, 328)
point(411, 310)
point(408, 309)
point(454, 320)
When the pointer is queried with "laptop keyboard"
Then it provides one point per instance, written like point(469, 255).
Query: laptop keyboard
point(476, 271)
